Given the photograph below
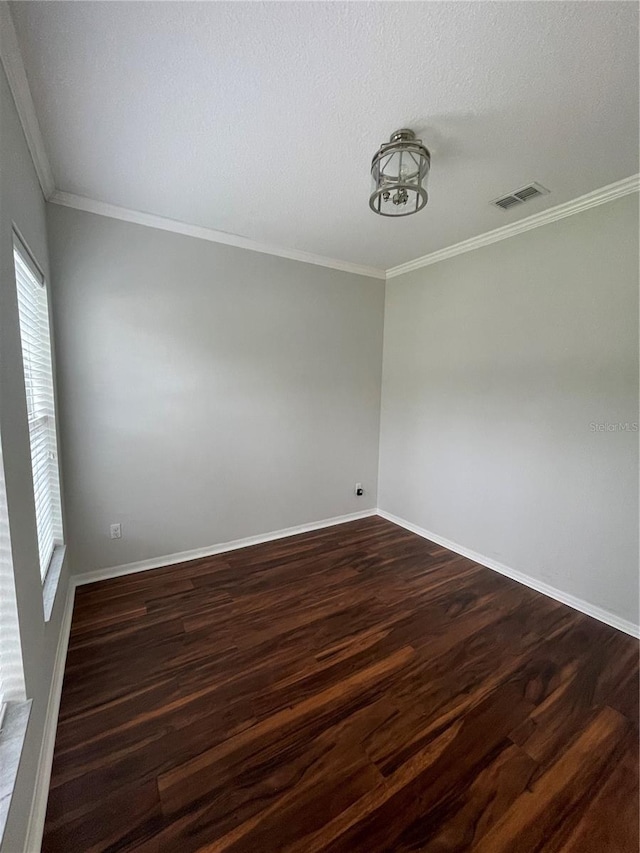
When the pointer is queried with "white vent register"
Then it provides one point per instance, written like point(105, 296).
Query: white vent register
point(506, 202)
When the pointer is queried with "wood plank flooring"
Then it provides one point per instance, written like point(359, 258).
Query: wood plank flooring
point(353, 689)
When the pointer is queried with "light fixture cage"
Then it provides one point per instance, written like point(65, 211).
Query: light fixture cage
point(399, 171)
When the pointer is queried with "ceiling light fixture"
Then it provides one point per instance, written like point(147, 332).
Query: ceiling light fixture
point(399, 170)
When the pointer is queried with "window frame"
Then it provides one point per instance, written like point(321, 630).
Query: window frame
point(12, 686)
point(43, 425)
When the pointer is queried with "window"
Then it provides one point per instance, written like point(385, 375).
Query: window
point(33, 310)
point(14, 710)
point(11, 679)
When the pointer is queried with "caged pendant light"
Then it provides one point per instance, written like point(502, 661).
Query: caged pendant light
point(399, 170)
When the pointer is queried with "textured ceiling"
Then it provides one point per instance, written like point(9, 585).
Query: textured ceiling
point(260, 119)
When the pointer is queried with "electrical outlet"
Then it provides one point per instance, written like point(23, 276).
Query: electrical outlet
point(116, 531)
point(359, 490)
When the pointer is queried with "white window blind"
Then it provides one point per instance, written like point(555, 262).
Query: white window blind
point(11, 678)
point(33, 311)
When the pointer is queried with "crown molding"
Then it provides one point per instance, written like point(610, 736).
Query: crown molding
point(584, 202)
point(11, 58)
point(152, 221)
point(592, 199)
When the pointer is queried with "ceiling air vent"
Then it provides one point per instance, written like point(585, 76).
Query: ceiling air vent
point(520, 196)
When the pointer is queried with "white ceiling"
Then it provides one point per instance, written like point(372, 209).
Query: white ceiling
point(260, 119)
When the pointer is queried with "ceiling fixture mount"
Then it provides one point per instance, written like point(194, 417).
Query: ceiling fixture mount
point(399, 170)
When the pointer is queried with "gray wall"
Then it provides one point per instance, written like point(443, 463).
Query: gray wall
point(496, 365)
point(22, 203)
point(206, 393)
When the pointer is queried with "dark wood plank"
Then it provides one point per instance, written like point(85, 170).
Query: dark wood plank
point(612, 820)
point(546, 814)
point(352, 689)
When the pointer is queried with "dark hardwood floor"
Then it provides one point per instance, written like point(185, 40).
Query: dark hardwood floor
point(352, 689)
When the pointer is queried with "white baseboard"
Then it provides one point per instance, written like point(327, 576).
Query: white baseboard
point(41, 793)
point(212, 550)
point(38, 812)
point(539, 586)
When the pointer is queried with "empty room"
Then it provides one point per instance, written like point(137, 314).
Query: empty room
point(319, 453)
